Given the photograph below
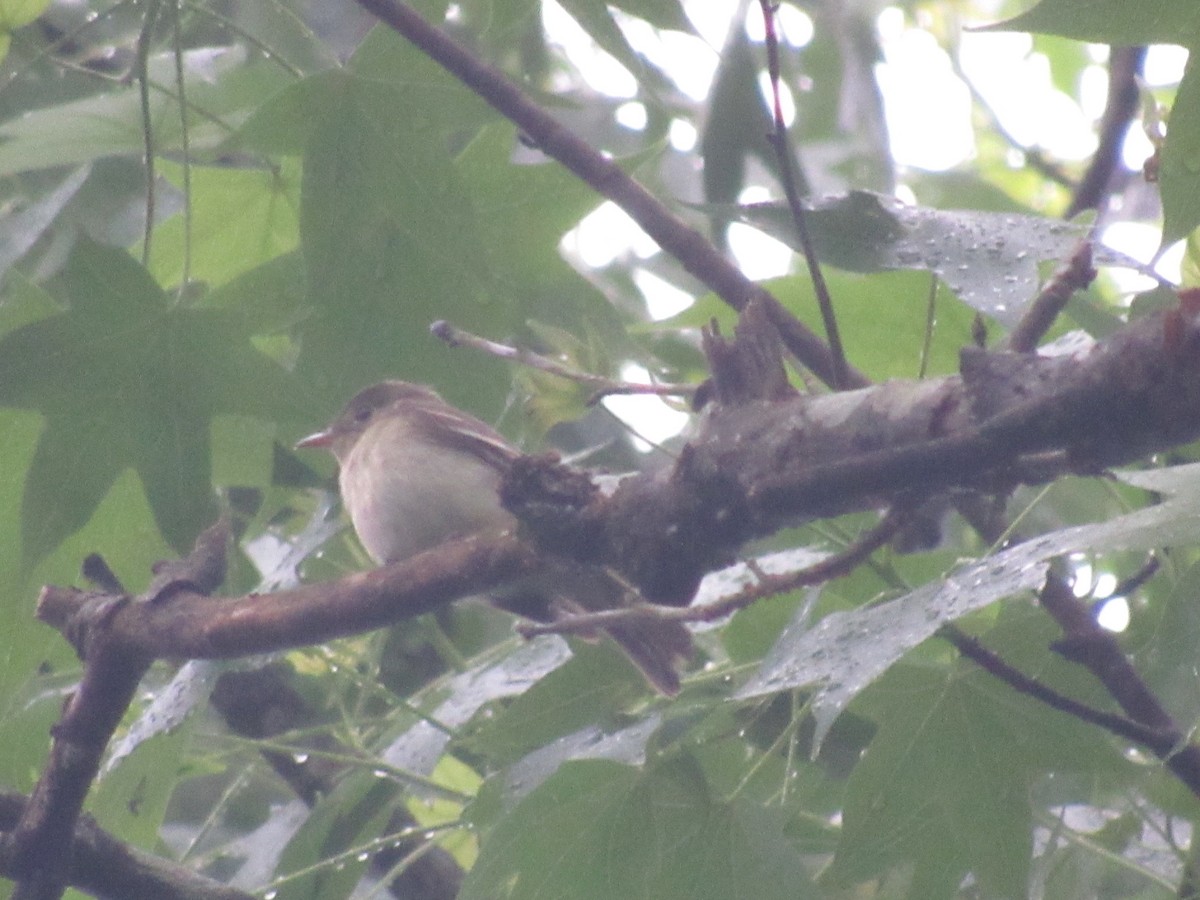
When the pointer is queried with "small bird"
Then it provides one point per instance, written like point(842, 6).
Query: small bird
point(415, 472)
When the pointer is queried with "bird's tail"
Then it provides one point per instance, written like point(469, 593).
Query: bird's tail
point(658, 647)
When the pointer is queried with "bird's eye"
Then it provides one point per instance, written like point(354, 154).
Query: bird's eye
point(362, 414)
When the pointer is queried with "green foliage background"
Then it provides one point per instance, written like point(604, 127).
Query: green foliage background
point(315, 202)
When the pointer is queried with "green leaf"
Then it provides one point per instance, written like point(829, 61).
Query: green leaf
point(351, 815)
point(221, 91)
point(665, 14)
point(131, 798)
point(17, 13)
point(990, 260)
point(948, 748)
point(1163, 636)
point(846, 651)
point(738, 123)
point(528, 275)
point(26, 643)
point(595, 17)
point(399, 232)
point(125, 380)
point(602, 831)
point(240, 219)
point(881, 318)
point(592, 688)
point(945, 786)
point(453, 701)
point(1179, 175)
point(20, 229)
point(392, 243)
point(1112, 21)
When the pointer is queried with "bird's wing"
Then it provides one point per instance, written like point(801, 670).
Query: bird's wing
point(463, 433)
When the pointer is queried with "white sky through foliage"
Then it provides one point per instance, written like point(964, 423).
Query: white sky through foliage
point(929, 110)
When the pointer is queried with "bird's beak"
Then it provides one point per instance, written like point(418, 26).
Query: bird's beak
point(319, 439)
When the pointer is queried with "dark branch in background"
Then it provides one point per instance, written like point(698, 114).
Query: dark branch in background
point(106, 867)
point(261, 704)
point(1145, 721)
point(1124, 66)
point(784, 154)
point(37, 851)
point(1161, 742)
point(1033, 156)
point(1086, 643)
point(690, 247)
point(1134, 582)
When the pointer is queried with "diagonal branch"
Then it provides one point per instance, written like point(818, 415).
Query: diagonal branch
point(605, 176)
point(1089, 645)
point(1160, 741)
point(1124, 66)
point(38, 850)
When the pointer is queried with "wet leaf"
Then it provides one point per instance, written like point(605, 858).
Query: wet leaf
point(846, 651)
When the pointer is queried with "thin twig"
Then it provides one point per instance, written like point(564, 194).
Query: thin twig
point(185, 147)
point(783, 152)
point(767, 585)
point(1074, 275)
point(602, 386)
point(930, 322)
point(142, 73)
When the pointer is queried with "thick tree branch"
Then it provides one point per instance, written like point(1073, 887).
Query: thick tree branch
point(189, 625)
point(756, 466)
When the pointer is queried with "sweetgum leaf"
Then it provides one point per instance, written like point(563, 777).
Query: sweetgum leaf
point(126, 380)
point(846, 651)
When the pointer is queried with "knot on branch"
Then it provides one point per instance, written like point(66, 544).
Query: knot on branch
point(201, 571)
point(84, 617)
point(554, 504)
point(750, 367)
